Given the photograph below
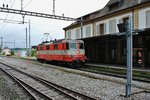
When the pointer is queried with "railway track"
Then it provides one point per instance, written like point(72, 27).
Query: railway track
point(140, 76)
point(41, 89)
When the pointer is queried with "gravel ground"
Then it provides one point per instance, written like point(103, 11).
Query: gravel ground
point(96, 86)
point(8, 90)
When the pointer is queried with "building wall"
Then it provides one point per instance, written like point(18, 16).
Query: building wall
point(139, 22)
point(117, 18)
point(74, 32)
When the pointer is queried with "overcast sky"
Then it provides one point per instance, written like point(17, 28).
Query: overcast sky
point(39, 26)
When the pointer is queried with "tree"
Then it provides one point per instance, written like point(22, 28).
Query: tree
point(33, 53)
point(12, 53)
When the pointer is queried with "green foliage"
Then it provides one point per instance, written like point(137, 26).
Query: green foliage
point(0, 49)
point(3, 53)
point(33, 53)
point(12, 53)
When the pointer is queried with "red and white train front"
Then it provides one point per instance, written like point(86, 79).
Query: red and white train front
point(65, 51)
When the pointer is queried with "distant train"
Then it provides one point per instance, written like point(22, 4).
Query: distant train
point(70, 52)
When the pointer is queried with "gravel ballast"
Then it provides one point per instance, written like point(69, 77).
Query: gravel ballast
point(9, 90)
point(95, 85)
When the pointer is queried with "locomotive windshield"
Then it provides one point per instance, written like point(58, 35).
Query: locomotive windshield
point(73, 46)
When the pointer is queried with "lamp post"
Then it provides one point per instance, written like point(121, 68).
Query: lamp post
point(1, 43)
point(81, 27)
point(29, 39)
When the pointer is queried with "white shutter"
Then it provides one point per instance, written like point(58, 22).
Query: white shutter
point(97, 29)
point(120, 21)
point(148, 19)
point(112, 26)
point(88, 28)
point(105, 28)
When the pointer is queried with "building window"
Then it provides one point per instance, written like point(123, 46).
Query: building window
point(69, 35)
point(148, 19)
point(114, 4)
point(88, 31)
point(77, 33)
point(124, 20)
point(101, 29)
point(112, 26)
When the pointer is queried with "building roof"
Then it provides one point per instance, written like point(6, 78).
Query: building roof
point(107, 10)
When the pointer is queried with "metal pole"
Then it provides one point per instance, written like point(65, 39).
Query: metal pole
point(29, 39)
point(26, 40)
point(129, 58)
point(53, 7)
point(21, 4)
point(14, 47)
point(23, 16)
point(81, 27)
point(1, 44)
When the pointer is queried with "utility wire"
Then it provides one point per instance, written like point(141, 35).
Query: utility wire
point(27, 4)
point(10, 7)
point(7, 16)
point(4, 1)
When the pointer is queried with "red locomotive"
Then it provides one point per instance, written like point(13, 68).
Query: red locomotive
point(69, 52)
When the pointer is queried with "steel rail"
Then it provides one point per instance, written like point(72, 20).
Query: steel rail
point(72, 94)
point(27, 87)
point(110, 73)
point(30, 87)
point(116, 74)
point(13, 78)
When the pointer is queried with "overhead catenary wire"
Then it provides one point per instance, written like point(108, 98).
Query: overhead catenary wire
point(27, 4)
point(7, 14)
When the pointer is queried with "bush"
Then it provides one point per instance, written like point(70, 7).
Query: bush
point(33, 53)
point(12, 53)
point(3, 53)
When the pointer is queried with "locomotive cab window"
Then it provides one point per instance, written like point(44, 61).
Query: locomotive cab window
point(47, 47)
point(41, 48)
point(55, 46)
point(37, 48)
point(72, 46)
point(67, 46)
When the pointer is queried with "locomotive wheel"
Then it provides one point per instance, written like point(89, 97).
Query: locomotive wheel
point(72, 65)
point(80, 64)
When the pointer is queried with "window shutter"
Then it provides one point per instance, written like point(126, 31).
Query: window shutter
point(97, 30)
point(120, 21)
point(148, 19)
point(104, 28)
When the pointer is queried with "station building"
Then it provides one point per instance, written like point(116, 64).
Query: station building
point(104, 43)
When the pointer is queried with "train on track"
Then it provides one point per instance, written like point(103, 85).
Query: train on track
point(66, 52)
